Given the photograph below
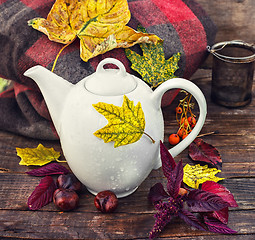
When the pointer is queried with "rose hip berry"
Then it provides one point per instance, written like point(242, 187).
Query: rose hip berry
point(174, 139)
point(106, 201)
point(65, 199)
point(69, 181)
point(178, 110)
point(192, 121)
point(184, 122)
point(181, 132)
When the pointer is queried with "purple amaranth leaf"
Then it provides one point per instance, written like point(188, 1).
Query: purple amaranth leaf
point(221, 215)
point(221, 191)
point(217, 226)
point(168, 163)
point(49, 169)
point(43, 193)
point(201, 151)
point(190, 219)
point(157, 193)
point(175, 180)
point(202, 201)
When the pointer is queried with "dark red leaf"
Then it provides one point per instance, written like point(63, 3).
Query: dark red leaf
point(221, 215)
point(190, 219)
point(201, 151)
point(50, 169)
point(43, 193)
point(168, 163)
point(216, 226)
point(202, 201)
point(221, 191)
point(175, 180)
point(157, 193)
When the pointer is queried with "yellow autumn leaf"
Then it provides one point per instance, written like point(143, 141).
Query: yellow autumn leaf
point(197, 174)
point(37, 156)
point(125, 124)
point(100, 25)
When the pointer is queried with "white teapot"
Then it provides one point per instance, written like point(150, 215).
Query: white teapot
point(99, 165)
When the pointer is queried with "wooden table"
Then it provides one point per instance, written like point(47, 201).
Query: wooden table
point(133, 218)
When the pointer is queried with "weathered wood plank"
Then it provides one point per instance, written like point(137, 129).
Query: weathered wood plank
point(236, 161)
point(233, 18)
point(80, 225)
point(16, 188)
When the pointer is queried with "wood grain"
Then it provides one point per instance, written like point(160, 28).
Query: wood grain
point(233, 18)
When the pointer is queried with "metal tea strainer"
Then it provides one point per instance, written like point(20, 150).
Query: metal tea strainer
point(232, 73)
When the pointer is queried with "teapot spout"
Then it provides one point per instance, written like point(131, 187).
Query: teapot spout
point(54, 90)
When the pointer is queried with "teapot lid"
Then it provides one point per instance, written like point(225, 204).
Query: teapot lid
point(110, 82)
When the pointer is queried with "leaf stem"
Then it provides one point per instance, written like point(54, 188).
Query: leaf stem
point(56, 59)
point(61, 161)
point(153, 141)
point(209, 133)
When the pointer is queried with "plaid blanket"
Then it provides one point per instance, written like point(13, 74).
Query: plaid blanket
point(183, 24)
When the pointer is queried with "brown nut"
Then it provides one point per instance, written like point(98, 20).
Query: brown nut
point(69, 181)
point(106, 201)
point(65, 199)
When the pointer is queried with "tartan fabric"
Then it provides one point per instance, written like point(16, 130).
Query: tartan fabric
point(183, 24)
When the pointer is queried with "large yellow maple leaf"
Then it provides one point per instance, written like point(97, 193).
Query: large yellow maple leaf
point(99, 24)
point(126, 124)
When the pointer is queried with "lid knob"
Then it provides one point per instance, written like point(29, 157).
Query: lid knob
point(110, 82)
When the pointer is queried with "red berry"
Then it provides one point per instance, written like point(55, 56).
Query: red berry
point(181, 132)
point(106, 201)
point(178, 110)
point(174, 139)
point(184, 122)
point(192, 121)
point(65, 199)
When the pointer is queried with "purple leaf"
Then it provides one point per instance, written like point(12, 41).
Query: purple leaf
point(175, 180)
point(216, 226)
point(157, 193)
point(43, 193)
point(50, 169)
point(202, 201)
point(201, 151)
point(190, 219)
point(168, 163)
point(221, 191)
point(221, 215)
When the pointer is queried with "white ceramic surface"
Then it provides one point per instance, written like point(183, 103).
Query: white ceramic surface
point(98, 165)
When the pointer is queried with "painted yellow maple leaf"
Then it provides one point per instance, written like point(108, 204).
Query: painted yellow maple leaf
point(197, 174)
point(100, 25)
point(37, 156)
point(126, 124)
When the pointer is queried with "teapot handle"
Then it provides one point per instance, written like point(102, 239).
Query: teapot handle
point(180, 83)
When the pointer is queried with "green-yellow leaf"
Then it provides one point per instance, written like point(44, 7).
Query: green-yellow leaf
point(125, 124)
point(4, 84)
point(195, 175)
point(37, 156)
point(152, 66)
